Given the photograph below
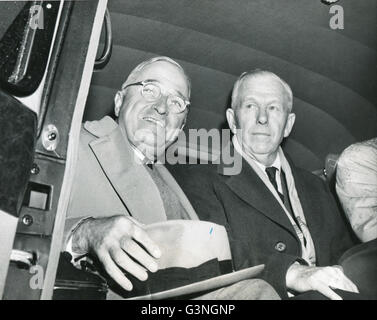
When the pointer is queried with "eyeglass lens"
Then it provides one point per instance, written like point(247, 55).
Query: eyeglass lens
point(152, 92)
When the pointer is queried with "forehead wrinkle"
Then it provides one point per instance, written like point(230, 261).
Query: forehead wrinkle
point(162, 85)
point(266, 95)
point(166, 77)
point(249, 99)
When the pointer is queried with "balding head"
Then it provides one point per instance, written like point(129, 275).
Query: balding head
point(136, 71)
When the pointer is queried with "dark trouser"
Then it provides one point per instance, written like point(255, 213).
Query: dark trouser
point(360, 265)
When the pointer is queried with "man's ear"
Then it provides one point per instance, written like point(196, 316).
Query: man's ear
point(176, 132)
point(183, 123)
point(231, 118)
point(118, 101)
point(289, 124)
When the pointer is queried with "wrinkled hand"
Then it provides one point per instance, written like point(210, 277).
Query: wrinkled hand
point(322, 279)
point(114, 240)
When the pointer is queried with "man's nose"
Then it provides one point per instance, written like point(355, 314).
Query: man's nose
point(161, 105)
point(262, 116)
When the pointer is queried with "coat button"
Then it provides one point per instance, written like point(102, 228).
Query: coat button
point(280, 246)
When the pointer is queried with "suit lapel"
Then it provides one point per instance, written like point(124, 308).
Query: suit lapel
point(251, 189)
point(129, 179)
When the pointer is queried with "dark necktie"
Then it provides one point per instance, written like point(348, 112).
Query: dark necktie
point(287, 203)
point(271, 172)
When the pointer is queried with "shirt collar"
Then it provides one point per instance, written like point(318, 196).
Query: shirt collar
point(140, 156)
point(237, 146)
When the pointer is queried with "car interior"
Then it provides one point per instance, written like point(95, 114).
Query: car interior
point(61, 63)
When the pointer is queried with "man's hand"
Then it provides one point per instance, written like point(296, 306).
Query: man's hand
point(322, 279)
point(114, 241)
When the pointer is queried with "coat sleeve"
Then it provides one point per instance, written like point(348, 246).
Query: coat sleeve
point(275, 271)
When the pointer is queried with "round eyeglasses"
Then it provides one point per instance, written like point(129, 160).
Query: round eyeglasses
point(152, 91)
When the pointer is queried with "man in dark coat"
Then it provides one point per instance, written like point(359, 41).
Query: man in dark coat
point(275, 213)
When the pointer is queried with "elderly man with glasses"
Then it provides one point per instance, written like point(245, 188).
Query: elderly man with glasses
point(120, 186)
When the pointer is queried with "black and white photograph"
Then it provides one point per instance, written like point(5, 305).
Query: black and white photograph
point(188, 154)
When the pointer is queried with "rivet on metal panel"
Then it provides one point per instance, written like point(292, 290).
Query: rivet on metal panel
point(27, 220)
point(50, 138)
point(34, 169)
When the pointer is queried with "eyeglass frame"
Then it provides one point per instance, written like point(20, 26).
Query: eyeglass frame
point(163, 91)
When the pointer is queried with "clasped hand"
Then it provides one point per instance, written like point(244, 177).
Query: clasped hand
point(302, 278)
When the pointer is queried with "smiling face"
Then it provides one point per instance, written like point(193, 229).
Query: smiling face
point(261, 117)
point(151, 126)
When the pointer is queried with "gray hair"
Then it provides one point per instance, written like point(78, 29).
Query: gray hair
point(135, 72)
point(259, 72)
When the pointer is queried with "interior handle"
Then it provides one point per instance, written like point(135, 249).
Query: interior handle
point(23, 257)
point(101, 62)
